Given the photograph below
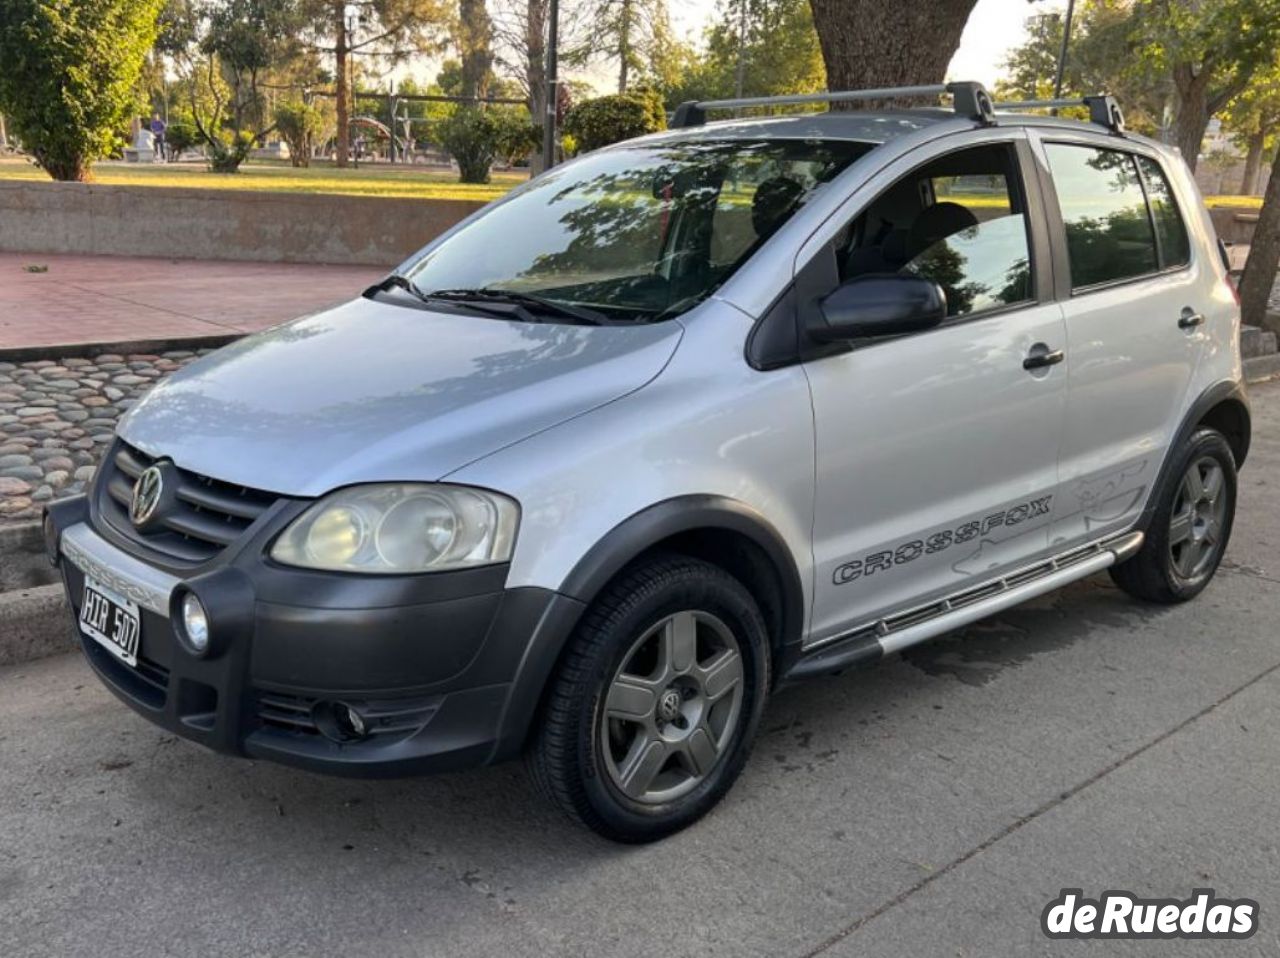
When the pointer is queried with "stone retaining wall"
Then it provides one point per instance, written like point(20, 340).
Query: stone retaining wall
point(1234, 224)
point(219, 224)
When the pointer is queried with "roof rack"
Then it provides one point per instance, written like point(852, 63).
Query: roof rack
point(970, 100)
point(1103, 110)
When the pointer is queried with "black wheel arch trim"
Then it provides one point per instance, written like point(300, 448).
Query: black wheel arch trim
point(629, 539)
point(1228, 391)
point(684, 514)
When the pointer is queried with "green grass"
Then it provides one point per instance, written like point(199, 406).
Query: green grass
point(274, 177)
point(1249, 202)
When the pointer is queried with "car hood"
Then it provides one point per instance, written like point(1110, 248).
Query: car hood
point(373, 392)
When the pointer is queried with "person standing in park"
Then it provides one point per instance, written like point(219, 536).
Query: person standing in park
point(157, 132)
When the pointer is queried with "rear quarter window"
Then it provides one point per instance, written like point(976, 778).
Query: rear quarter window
point(1175, 247)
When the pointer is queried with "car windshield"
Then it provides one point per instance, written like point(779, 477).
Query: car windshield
point(639, 233)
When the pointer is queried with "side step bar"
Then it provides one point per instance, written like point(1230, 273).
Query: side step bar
point(901, 630)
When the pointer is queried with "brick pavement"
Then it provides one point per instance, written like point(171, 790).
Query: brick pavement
point(104, 299)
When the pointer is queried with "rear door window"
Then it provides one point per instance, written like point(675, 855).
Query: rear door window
point(1104, 211)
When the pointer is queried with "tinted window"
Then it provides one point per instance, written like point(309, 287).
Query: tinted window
point(1175, 248)
point(959, 221)
point(980, 267)
point(1109, 234)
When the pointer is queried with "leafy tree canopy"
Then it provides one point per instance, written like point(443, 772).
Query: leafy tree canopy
point(70, 69)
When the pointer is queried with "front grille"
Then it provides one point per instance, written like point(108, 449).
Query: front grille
point(206, 516)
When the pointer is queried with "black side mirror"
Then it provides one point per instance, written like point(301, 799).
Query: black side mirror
point(878, 306)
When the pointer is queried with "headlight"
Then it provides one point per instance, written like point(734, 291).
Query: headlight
point(401, 527)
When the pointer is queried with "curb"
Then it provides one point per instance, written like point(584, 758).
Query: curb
point(21, 536)
point(1261, 368)
point(56, 351)
point(34, 623)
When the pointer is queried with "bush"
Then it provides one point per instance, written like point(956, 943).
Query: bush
point(181, 136)
point(300, 124)
point(610, 119)
point(227, 150)
point(471, 135)
point(68, 73)
point(517, 135)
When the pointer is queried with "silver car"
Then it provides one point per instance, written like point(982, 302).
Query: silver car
point(677, 422)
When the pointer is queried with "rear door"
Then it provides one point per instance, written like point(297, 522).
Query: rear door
point(1132, 291)
point(937, 452)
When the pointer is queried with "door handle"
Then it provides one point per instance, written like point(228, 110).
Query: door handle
point(1041, 356)
point(1190, 319)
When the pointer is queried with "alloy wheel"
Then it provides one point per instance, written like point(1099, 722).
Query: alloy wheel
point(1198, 519)
point(671, 708)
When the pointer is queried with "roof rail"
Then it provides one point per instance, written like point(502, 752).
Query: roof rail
point(1103, 110)
point(970, 100)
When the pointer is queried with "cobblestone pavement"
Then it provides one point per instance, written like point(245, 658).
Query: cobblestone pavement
point(57, 417)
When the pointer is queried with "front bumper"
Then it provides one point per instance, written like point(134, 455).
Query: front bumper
point(446, 670)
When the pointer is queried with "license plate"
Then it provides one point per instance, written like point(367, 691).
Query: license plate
point(110, 619)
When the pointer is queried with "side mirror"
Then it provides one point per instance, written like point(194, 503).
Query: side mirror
point(878, 306)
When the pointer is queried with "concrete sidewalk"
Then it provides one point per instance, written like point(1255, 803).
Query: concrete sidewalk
point(83, 300)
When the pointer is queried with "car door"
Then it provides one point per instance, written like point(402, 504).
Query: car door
point(936, 453)
point(1133, 295)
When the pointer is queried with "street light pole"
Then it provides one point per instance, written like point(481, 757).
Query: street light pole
point(1062, 54)
point(549, 121)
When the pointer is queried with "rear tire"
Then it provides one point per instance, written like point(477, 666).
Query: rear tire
point(651, 716)
point(1190, 527)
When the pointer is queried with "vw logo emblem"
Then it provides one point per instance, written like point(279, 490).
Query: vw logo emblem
point(146, 495)
point(669, 705)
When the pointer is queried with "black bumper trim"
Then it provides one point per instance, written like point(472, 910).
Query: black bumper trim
point(464, 673)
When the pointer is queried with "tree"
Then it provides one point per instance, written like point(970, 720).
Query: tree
point(879, 43)
point(223, 52)
point(1254, 120)
point(301, 125)
point(1104, 56)
point(629, 33)
point(778, 49)
point(471, 137)
point(390, 29)
point(69, 74)
point(474, 36)
point(1264, 256)
point(1210, 50)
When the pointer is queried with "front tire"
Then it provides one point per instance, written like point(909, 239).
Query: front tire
point(652, 714)
point(1190, 527)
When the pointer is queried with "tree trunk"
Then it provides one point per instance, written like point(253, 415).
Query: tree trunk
point(878, 43)
point(1192, 90)
point(535, 69)
point(66, 169)
point(1253, 163)
point(624, 45)
point(1264, 256)
point(341, 56)
point(475, 40)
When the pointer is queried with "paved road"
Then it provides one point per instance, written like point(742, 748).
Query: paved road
point(929, 806)
point(104, 299)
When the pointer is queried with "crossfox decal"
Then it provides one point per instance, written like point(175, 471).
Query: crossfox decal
point(888, 559)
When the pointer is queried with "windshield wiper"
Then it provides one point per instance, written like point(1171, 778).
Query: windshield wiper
point(399, 281)
point(527, 300)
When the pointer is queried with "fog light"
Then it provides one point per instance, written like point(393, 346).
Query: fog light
point(339, 722)
point(195, 623)
point(350, 721)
